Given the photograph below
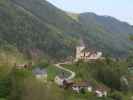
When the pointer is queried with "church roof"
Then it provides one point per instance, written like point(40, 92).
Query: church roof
point(89, 50)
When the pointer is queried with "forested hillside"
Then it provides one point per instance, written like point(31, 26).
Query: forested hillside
point(30, 34)
point(36, 27)
point(108, 32)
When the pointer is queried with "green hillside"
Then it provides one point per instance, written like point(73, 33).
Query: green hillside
point(105, 33)
point(30, 34)
point(36, 27)
point(108, 33)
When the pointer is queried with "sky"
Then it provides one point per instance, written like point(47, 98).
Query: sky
point(120, 9)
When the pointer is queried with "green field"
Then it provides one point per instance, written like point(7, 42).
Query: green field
point(54, 71)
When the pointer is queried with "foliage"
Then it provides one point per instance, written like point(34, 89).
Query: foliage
point(5, 87)
point(108, 71)
point(3, 99)
point(131, 37)
point(43, 63)
point(30, 35)
point(24, 86)
point(106, 33)
point(130, 59)
point(117, 95)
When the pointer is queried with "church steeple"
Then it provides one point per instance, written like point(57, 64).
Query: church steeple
point(81, 43)
point(82, 53)
point(79, 49)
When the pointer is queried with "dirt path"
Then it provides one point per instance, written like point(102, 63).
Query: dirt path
point(73, 74)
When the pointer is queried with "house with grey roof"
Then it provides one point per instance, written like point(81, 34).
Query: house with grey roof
point(40, 73)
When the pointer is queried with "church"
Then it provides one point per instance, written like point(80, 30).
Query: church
point(83, 54)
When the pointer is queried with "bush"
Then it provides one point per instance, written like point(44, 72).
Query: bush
point(3, 99)
point(5, 87)
point(42, 64)
point(117, 95)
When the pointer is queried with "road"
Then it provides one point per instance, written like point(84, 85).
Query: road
point(73, 74)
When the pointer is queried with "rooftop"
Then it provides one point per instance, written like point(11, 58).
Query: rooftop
point(102, 87)
point(39, 71)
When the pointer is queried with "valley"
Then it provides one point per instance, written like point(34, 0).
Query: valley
point(47, 53)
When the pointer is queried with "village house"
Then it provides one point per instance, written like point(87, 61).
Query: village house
point(78, 86)
point(59, 80)
point(101, 90)
point(98, 90)
point(40, 74)
point(23, 66)
point(83, 54)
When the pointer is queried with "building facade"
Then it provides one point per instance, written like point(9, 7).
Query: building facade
point(82, 54)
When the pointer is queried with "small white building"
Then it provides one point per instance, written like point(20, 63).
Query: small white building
point(101, 91)
point(59, 80)
point(40, 74)
point(23, 66)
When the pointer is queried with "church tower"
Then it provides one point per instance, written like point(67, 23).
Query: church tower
point(79, 50)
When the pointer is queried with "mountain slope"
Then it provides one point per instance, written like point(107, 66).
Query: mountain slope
point(110, 32)
point(104, 33)
point(50, 14)
point(36, 28)
point(29, 33)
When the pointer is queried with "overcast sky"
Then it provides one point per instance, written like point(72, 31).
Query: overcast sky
point(121, 9)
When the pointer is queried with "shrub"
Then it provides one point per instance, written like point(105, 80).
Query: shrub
point(116, 95)
point(5, 86)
